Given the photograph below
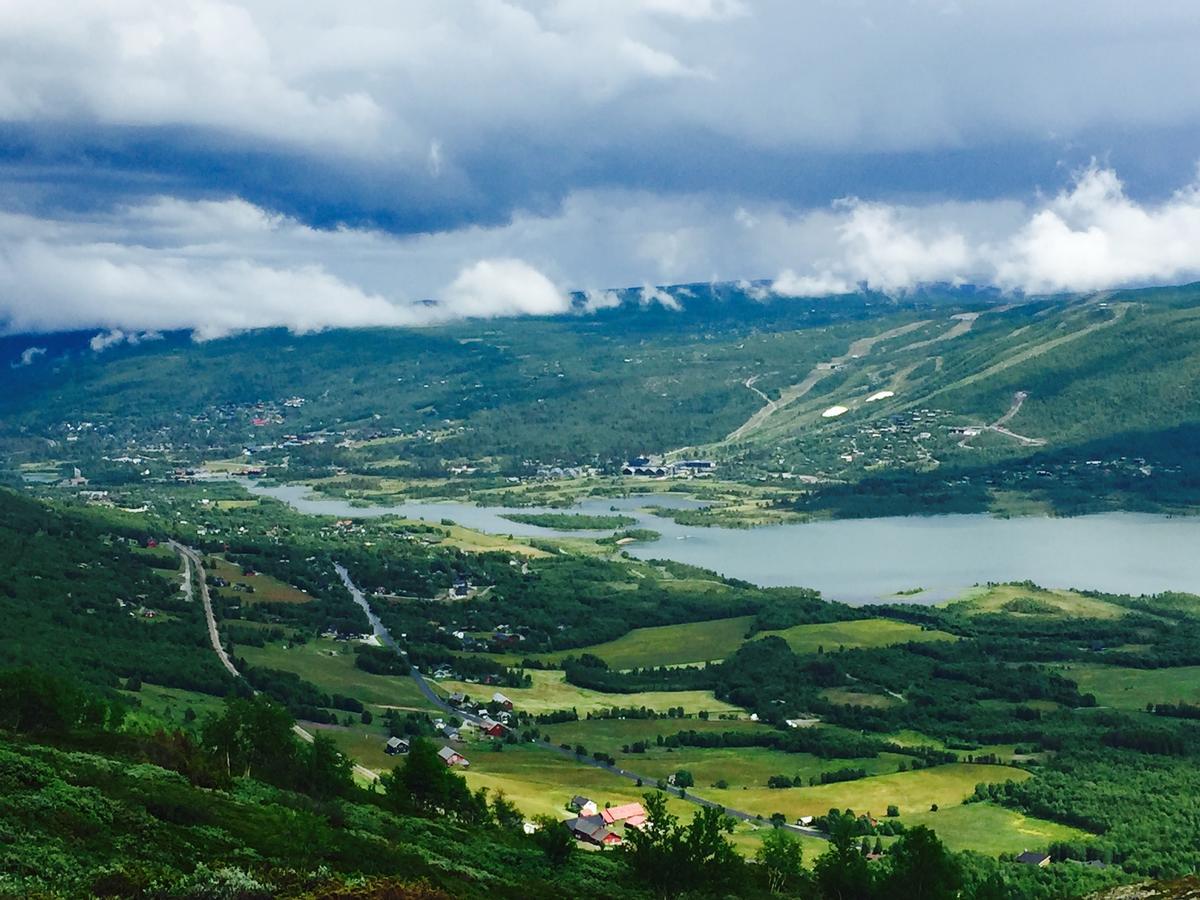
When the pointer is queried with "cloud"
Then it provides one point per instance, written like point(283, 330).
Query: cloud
point(114, 337)
point(650, 295)
point(28, 356)
point(502, 287)
point(221, 266)
point(824, 284)
point(1093, 236)
point(1089, 236)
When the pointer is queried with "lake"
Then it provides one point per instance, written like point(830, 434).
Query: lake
point(869, 560)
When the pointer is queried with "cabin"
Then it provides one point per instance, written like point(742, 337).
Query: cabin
point(491, 728)
point(458, 698)
point(583, 806)
point(502, 700)
point(395, 746)
point(1030, 858)
point(592, 830)
point(452, 757)
point(630, 814)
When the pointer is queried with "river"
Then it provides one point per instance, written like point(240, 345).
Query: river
point(865, 561)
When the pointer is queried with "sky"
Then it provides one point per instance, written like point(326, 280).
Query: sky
point(219, 166)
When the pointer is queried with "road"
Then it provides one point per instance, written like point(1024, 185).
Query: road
point(385, 638)
point(1000, 426)
point(192, 559)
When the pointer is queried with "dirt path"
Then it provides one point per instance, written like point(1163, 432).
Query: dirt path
point(999, 426)
point(861, 347)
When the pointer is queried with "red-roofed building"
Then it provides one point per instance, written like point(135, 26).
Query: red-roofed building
point(630, 813)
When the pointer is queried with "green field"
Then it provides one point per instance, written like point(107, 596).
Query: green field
point(831, 636)
point(669, 645)
point(611, 734)
point(541, 781)
point(265, 588)
point(1134, 688)
point(330, 666)
point(163, 706)
point(912, 792)
point(990, 829)
point(362, 743)
point(550, 691)
point(1017, 600)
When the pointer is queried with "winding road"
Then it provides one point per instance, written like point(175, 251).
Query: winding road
point(192, 559)
point(384, 636)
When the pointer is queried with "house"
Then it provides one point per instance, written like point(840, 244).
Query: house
point(806, 821)
point(1030, 858)
point(502, 700)
point(592, 830)
point(458, 698)
point(492, 729)
point(631, 814)
point(395, 746)
point(452, 757)
point(583, 806)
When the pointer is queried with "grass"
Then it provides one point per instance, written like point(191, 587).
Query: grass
point(160, 705)
point(1134, 688)
point(1008, 598)
point(611, 734)
point(859, 698)
point(362, 743)
point(550, 691)
point(540, 781)
point(986, 828)
point(330, 666)
point(667, 645)
point(912, 792)
point(830, 636)
point(266, 588)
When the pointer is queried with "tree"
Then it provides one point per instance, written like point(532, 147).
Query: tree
point(684, 779)
point(673, 859)
point(425, 786)
point(326, 772)
point(781, 859)
point(841, 872)
point(254, 738)
point(893, 810)
point(505, 813)
point(921, 867)
point(553, 839)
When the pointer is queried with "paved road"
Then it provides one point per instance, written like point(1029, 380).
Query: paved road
point(192, 558)
point(385, 638)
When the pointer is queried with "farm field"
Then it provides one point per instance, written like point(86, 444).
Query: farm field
point(1023, 600)
point(668, 645)
point(330, 666)
point(611, 734)
point(744, 769)
point(362, 743)
point(987, 828)
point(550, 691)
point(832, 636)
point(265, 588)
point(1127, 688)
point(912, 792)
point(540, 781)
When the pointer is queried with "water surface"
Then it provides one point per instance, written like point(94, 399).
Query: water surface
point(870, 560)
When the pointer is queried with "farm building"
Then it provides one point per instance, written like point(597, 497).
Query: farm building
point(502, 700)
point(631, 814)
point(452, 757)
point(1031, 858)
point(592, 830)
point(583, 805)
point(395, 746)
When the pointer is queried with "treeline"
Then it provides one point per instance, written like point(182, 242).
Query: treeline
point(74, 599)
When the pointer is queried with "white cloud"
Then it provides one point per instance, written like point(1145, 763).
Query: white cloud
point(216, 267)
point(1093, 236)
point(650, 295)
point(28, 356)
point(824, 284)
point(595, 300)
point(502, 287)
